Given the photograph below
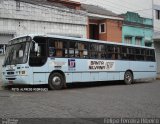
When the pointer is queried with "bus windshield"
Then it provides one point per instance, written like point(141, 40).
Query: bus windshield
point(17, 53)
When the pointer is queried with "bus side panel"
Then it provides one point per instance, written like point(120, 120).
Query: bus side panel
point(40, 74)
point(122, 67)
point(68, 77)
point(143, 70)
point(39, 78)
point(143, 66)
point(121, 75)
point(94, 76)
point(76, 77)
point(103, 76)
point(85, 76)
point(144, 75)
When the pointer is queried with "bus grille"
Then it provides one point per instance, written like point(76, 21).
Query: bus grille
point(10, 73)
point(10, 78)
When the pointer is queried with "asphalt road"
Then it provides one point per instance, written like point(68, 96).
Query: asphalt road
point(109, 99)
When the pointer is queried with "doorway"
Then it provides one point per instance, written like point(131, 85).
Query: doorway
point(93, 31)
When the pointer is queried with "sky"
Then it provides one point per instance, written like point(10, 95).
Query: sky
point(143, 7)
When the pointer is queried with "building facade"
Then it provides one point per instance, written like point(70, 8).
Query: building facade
point(146, 8)
point(156, 35)
point(103, 24)
point(19, 17)
point(137, 30)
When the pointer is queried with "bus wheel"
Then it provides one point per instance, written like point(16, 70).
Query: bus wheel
point(128, 77)
point(56, 81)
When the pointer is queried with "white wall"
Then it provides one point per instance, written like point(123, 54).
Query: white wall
point(30, 18)
point(156, 6)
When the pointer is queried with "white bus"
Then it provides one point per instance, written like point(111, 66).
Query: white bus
point(57, 60)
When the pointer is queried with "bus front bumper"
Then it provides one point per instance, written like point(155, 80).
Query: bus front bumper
point(15, 80)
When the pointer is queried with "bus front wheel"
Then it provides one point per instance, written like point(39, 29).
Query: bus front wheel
point(128, 77)
point(56, 81)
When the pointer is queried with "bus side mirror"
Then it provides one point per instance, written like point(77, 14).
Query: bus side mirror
point(36, 47)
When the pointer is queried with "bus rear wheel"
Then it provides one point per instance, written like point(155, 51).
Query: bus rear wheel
point(128, 77)
point(56, 81)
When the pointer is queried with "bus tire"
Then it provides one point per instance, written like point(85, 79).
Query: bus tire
point(56, 81)
point(128, 77)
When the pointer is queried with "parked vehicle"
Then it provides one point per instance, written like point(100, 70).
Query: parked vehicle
point(57, 60)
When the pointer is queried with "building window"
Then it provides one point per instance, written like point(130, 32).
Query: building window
point(158, 14)
point(2, 48)
point(138, 41)
point(128, 40)
point(17, 5)
point(102, 28)
point(148, 43)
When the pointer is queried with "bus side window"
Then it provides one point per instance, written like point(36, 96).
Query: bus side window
point(143, 54)
point(93, 51)
point(153, 55)
point(116, 52)
point(101, 51)
point(150, 55)
point(58, 46)
point(72, 49)
point(110, 52)
point(81, 49)
point(52, 51)
point(78, 49)
point(124, 53)
point(130, 53)
point(39, 57)
point(137, 52)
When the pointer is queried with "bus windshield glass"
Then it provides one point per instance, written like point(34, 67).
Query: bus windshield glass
point(17, 53)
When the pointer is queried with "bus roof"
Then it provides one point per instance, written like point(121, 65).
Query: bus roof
point(81, 39)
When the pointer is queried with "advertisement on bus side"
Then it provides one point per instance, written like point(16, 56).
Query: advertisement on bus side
point(101, 65)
